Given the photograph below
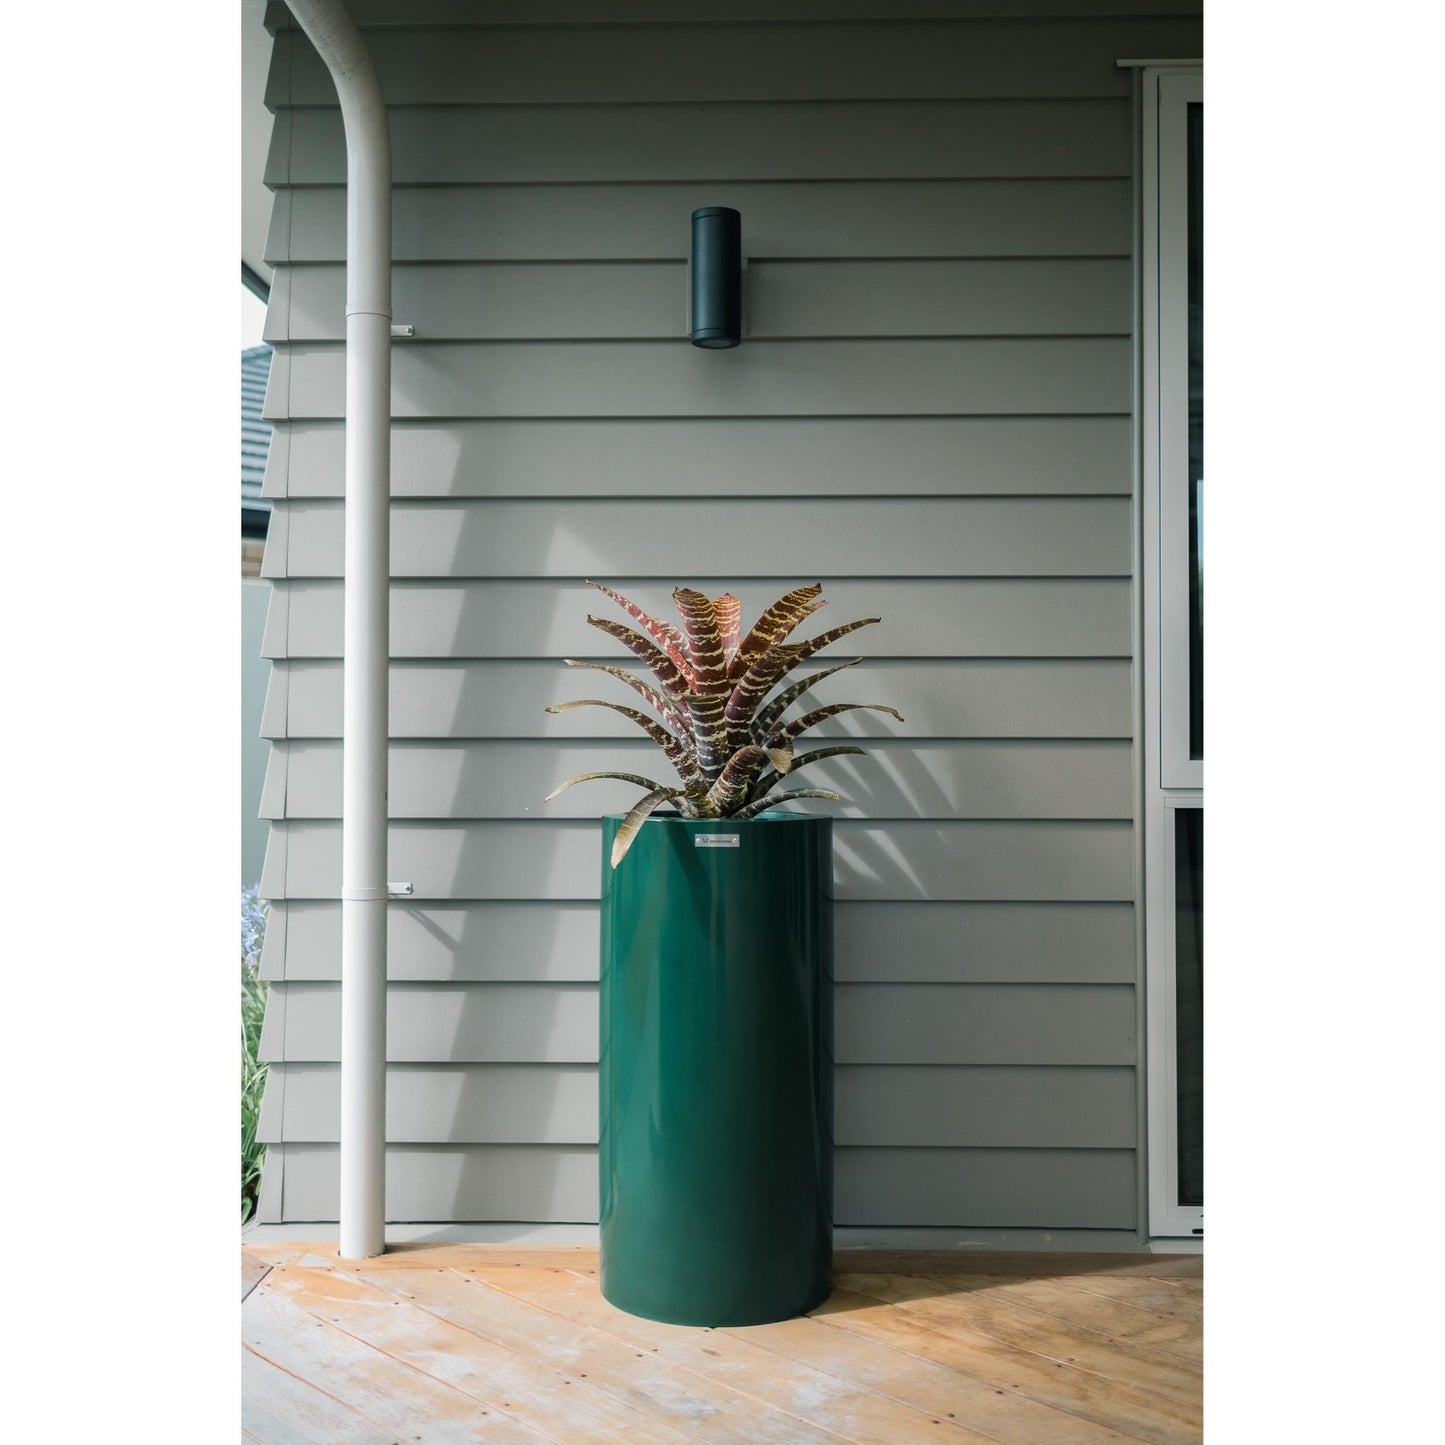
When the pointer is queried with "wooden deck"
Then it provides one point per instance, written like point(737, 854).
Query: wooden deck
point(452, 1343)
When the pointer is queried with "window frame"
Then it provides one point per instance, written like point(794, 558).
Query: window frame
point(1172, 780)
point(1168, 449)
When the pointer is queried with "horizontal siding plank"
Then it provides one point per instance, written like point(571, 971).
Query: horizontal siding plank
point(961, 1188)
point(277, 636)
point(385, 13)
point(963, 537)
point(969, 1107)
point(274, 942)
point(898, 779)
point(469, 1104)
point(1008, 375)
point(648, 300)
point(984, 861)
point(494, 302)
point(1018, 1107)
point(944, 698)
point(541, 1183)
point(783, 220)
point(268, 1203)
point(771, 457)
point(1037, 1024)
point(985, 618)
point(938, 298)
point(985, 1188)
point(273, 783)
point(810, 140)
point(779, 61)
point(271, 1044)
point(276, 718)
point(984, 942)
point(875, 941)
point(924, 1023)
point(442, 1023)
point(491, 942)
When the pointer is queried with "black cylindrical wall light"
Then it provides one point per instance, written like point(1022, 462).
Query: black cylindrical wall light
point(717, 277)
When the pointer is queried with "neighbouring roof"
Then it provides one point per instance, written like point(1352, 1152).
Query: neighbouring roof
point(255, 439)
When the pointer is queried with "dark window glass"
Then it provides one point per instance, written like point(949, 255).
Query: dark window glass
point(1196, 431)
point(1189, 999)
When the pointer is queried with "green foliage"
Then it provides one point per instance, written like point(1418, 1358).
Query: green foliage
point(727, 747)
point(253, 1074)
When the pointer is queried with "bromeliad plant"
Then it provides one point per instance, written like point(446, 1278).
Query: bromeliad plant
point(729, 746)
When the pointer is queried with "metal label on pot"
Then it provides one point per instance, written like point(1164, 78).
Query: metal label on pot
point(715, 840)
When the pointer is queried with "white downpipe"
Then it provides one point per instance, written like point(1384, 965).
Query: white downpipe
point(366, 642)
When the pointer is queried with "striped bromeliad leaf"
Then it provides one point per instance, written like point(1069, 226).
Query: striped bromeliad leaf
point(764, 721)
point(621, 777)
point(774, 625)
point(729, 621)
point(677, 754)
point(714, 723)
point(735, 781)
point(671, 674)
point(707, 702)
point(636, 818)
point(663, 633)
point(769, 670)
point(667, 710)
point(763, 804)
point(799, 726)
point(703, 630)
point(769, 776)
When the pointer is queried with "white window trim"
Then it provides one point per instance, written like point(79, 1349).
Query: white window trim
point(1171, 418)
point(1167, 1217)
point(1171, 779)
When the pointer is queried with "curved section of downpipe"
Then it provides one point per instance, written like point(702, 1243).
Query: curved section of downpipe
point(366, 644)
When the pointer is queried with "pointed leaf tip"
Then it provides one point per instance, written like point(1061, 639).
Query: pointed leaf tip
point(634, 820)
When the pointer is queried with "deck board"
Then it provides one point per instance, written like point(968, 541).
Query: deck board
point(1079, 1309)
point(280, 1409)
point(639, 1379)
point(392, 1395)
point(253, 1271)
point(453, 1342)
point(546, 1398)
point(984, 1313)
point(1042, 1361)
point(971, 1402)
point(1160, 1296)
point(807, 1394)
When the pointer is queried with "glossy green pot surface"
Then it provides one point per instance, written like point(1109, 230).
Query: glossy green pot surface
point(716, 1069)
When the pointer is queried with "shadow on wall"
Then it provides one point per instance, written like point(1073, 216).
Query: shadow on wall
point(551, 948)
point(482, 1168)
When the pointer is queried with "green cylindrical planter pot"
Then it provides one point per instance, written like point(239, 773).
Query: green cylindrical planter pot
point(716, 1069)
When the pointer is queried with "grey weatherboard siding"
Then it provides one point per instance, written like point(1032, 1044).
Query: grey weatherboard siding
point(930, 413)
